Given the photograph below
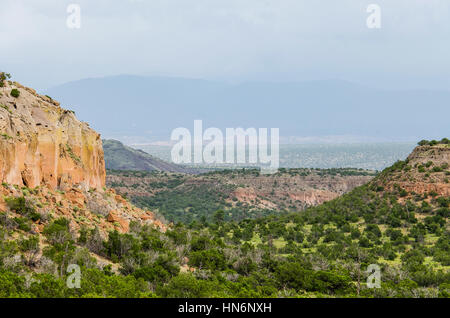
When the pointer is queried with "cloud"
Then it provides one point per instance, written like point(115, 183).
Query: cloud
point(283, 39)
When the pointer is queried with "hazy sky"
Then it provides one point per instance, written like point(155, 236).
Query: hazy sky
point(229, 39)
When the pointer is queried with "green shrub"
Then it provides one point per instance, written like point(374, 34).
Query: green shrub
point(374, 229)
point(119, 245)
point(161, 270)
point(3, 77)
point(185, 286)
point(58, 232)
point(212, 259)
point(294, 275)
point(444, 290)
point(23, 224)
point(21, 206)
point(15, 93)
point(444, 141)
point(437, 169)
point(30, 244)
point(12, 285)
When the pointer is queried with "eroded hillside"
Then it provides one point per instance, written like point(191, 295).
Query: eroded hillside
point(241, 193)
point(121, 157)
point(425, 172)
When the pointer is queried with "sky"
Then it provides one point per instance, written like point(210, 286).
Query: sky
point(232, 40)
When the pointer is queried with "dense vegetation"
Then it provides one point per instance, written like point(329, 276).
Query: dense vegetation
point(198, 203)
point(322, 252)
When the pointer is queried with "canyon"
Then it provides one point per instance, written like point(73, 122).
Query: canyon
point(240, 193)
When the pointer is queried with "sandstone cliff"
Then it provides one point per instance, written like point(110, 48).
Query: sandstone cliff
point(56, 164)
point(43, 144)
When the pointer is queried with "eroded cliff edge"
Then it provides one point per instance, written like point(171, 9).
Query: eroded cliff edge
point(44, 144)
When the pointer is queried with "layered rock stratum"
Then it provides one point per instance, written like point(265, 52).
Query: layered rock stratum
point(425, 171)
point(293, 189)
point(44, 144)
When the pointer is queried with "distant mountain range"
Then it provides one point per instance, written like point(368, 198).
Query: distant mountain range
point(120, 157)
point(153, 106)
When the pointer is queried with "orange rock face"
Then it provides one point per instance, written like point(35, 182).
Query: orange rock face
point(43, 144)
point(124, 224)
point(314, 197)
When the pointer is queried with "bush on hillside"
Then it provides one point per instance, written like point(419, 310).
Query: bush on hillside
point(3, 77)
point(15, 93)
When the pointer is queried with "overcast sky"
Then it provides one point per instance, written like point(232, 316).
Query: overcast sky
point(230, 40)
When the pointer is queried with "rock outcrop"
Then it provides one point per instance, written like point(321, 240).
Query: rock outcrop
point(438, 155)
point(44, 144)
point(56, 163)
point(425, 171)
point(104, 210)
